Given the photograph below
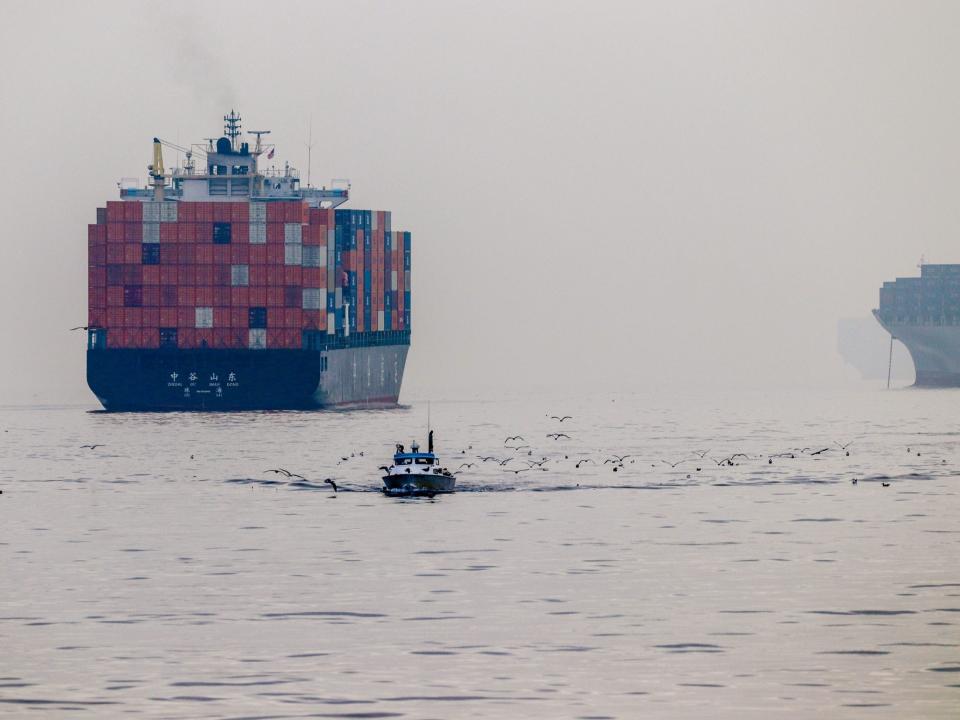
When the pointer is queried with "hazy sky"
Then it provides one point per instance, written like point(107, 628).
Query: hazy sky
point(600, 193)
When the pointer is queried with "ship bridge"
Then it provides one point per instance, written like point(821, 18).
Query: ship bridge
point(230, 173)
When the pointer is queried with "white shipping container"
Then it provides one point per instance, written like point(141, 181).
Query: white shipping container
point(311, 298)
point(313, 255)
point(393, 280)
point(380, 320)
point(204, 317)
point(258, 212)
point(331, 323)
point(292, 233)
point(151, 212)
point(258, 339)
point(168, 212)
point(239, 275)
point(293, 254)
point(258, 233)
point(151, 232)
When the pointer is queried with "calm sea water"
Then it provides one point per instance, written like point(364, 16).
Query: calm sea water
point(167, 575)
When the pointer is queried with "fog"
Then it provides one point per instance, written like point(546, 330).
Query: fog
point(601, 194)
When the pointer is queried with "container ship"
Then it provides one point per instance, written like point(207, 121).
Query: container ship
point(924, 314)
point(224, 286)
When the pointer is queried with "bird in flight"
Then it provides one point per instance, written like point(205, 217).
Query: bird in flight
point(92, 447)
point(581, 462)
point(331, 483)
point(557, 436)
point(514, 437)
point(465, 465)
point(619, 458)
point(279, 471)
point(674, 464)
point(561, 419)
point(84, 327)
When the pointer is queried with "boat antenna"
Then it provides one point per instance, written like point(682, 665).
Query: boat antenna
point(429, 430)
point(310, 152)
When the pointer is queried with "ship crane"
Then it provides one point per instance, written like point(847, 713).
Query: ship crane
point(156, 171)
point(188, 153)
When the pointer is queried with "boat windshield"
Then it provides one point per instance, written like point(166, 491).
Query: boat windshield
point(403, 461)
point(424, 461)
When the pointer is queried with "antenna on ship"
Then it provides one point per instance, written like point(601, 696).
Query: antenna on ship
point(310, 152)
point(231, 128)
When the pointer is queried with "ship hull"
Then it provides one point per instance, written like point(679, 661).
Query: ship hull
point(934, 349)
point(418, 484)
point(231, 380)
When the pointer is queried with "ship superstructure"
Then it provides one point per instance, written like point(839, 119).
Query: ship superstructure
point(223, 286)
point(924, 314)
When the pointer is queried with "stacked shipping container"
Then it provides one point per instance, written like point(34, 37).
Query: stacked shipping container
point(254, 275)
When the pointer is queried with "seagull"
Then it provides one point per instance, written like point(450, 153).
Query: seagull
point(818, 452)
point(885, 484)
point(620, 458)
point(503, 462)
point(465, 465)
point(843, 447)
point(561, 419)
point(331, 483)
point(674, 464)
point(580, 462)
point(486, 458)
point(514, 437)
point(279, 471)
point(84, 327)
point(853, 482)
point(92, 447)
point(557, 436)
point(701, 453)
point(538, 464)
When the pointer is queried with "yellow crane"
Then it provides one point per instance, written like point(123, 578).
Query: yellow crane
point(156, 171)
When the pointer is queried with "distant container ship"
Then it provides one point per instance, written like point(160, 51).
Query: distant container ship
point(224, 287)
point(924, 314)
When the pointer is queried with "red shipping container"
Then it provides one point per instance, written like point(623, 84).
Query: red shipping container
point(132, 317)
point(275, 233)
point(186, 254)
point(311, 319)
point(240, 212)
point(221, 275)
point(114, 253)
point(203, 296)
point(133, 232)
point(186, 297)
point(297, 212)
point(151, 296)
point(258, 275)
point(239, 296)
point(115, 211)
point(97, 297)
point(258, 255)
point(239, 317)
point(186, 337)
point(186, 275)
point(222, 212)
point(293, 339)
point(168, 254)
point(168, 274)
point(292, 274)
point(204, 212)
point(240, 233)
point(96, 277)
point(204, 338)
point(186, 233)
point(275, 212)
point(115, 296)
point(168, 232)
point(133, 212)
point(275, 317)
point(258, 297)
point(168, 317)
point(204, 254)
point(221, 295)
point(115, 232)
point(96, 317)
point(221, 337)
point(204, 274)
point(322, 324)
point(275, 275)
point(203, 233)
point(221, 317)
point(314, 277)
point(239, 254)
point(293, 318)
point(274, 337)
point(293, 296)
point(131, 338)
point(187, 317)
point(312, 234)
point(221, 254)
point(151, 317)
point(150, 338)
point(115, 317)
point(96, 235)
point(114, 339)
point(151, 274)
point(168, 295)
point(186, 212)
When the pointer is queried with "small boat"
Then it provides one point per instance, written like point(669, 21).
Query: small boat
point(417, 473)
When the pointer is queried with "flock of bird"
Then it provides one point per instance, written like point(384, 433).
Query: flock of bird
point(522, 459)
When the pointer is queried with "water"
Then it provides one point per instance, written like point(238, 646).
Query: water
point(166, 575)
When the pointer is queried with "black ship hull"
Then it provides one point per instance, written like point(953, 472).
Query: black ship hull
point(230, 380)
